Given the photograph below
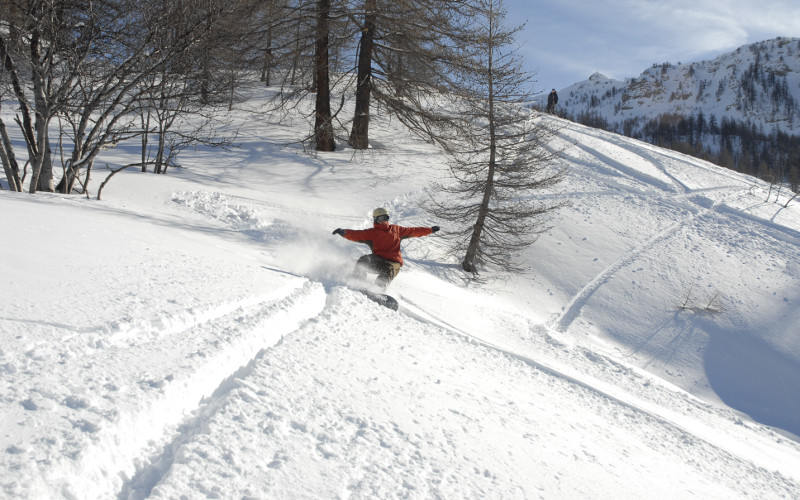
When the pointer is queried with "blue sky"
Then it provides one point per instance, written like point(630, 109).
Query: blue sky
point(565, 41)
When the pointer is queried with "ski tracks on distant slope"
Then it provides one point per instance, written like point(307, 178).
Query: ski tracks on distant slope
point(573, 309)
point(674, 193)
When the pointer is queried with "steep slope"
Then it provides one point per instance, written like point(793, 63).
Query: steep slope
point(684, 267)
point(193, 334)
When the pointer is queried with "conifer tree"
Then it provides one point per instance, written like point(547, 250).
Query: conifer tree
point(403, 50)
point(498, 150)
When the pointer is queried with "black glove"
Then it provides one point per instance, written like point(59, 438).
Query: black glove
point(435, 228)
point(339, 231)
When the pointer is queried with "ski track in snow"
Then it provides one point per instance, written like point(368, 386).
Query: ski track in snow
point(573, 308)
point(263, 323)
point(353, 452)
point(208, 347)
point(610, 390)
point(685, 198)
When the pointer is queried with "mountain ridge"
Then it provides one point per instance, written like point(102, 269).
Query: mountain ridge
point(744, 104)
point(731, 84)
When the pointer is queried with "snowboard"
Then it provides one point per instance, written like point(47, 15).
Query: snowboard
point(382, 299)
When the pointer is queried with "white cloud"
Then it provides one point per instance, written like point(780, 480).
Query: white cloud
point(623, 38)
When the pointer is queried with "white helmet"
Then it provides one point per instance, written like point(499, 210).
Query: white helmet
point(380, 214)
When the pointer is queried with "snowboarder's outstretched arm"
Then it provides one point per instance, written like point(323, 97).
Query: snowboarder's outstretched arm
point(384, 239)
point(343, 232)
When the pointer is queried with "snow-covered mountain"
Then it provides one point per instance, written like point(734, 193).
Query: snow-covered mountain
point(193, 335)
point(757, 83)
point(740, 110)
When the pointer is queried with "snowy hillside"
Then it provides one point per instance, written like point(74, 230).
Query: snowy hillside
point(757, 83)
point(193, 335)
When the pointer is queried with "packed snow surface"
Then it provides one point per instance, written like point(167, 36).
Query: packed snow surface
point(194, 335)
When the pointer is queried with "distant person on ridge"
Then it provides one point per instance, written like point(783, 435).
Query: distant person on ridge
point(384, 241)
point(552, 100)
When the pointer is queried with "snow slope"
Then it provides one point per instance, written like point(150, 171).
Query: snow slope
point(192, 335)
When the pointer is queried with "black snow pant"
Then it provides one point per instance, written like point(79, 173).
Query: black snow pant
point(384, 268)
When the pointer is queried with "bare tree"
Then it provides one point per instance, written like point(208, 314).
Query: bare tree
point(397, 46)
point(292, 28)
point(31, 45)
point(267, 54)
point(499, 152)
point(179, 103)
point(301, 35)
point(89, 63)
point(7, 156)
point(175, 116)
point(402, 54)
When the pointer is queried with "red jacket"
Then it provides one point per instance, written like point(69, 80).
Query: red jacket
point(384, 239)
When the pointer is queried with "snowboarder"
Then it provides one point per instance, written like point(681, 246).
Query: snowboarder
point(384, 241)
point(552, 100)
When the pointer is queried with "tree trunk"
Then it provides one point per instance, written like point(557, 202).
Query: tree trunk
point(323, 127)
point(46, 183)
point(145, 137)
point(71, 173)
point(42, 176)
point(9, 160)
point(88, 176)
point(267, 67)
point(468, 264)
point(160, 149)
point(359, 134)
point(296, 59)
point(41, 165)
point(67, 182)
point(25, 124)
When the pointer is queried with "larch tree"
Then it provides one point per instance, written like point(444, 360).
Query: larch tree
point(401, 55)
point(303, 38)
point(499, 150)
point(389, 52)
point(196, 83)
